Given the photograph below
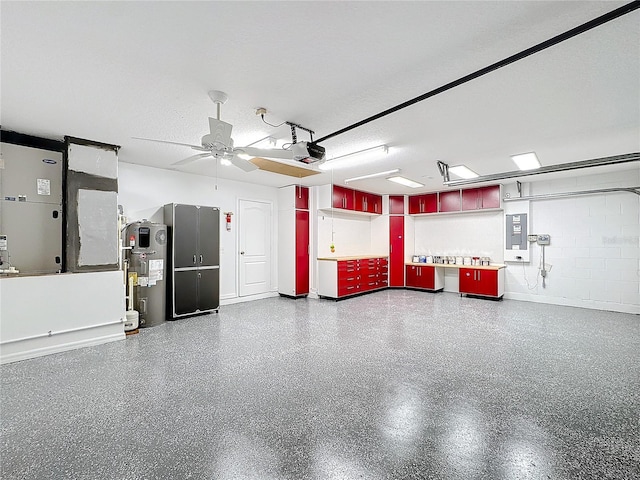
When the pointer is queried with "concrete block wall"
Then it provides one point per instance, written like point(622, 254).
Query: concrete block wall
point(595, 245)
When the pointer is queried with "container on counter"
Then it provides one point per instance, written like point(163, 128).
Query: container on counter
point(429, 258)
point(423, 259)
point(415, 259)
point(485, 261)
point(466, 261)
point(459, 260)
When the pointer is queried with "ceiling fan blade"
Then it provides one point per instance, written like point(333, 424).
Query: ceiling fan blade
point(193, 158)
point(195, 147)
point(265, 153)
point(242, 164)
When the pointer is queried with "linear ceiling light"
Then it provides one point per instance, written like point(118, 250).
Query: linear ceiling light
point(405, 181)
point(463, 171)
point(372, 175)
point(355, 158)
point(526, 161)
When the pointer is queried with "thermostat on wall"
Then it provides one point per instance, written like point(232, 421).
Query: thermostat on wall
point(3, 242)
point(532, 238)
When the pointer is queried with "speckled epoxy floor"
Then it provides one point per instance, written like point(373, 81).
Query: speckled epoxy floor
point(391, 385)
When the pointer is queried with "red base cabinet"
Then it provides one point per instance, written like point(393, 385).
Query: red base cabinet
point(424, 277)
point(482, 282)
point(342, 278)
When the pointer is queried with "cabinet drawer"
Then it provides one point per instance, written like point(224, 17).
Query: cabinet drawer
point(348, 290)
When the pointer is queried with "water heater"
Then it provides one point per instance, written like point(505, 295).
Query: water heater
point(147, 255)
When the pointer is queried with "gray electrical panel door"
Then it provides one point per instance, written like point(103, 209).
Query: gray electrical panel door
point(31, 208)
point(516, 232)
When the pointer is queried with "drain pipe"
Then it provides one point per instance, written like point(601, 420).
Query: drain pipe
point(547, 196)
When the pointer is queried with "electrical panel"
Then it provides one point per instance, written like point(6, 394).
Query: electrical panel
point(516, 244)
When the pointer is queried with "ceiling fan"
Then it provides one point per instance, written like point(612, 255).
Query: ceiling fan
point(219, 144)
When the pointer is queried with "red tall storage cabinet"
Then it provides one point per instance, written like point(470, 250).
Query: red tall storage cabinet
point(396, 241)
point(293, 241)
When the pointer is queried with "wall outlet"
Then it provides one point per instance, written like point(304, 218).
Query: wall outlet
point(532, 238)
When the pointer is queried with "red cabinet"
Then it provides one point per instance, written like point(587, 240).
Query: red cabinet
point(396, 251)
point(487, 283)
point(363, 275)
point(374, 203)
point(347, 199)
point(449, 201)
point(302, 252)
point(425, 203)
point(293, 241)
point(367, 202)
point(342, 278)
point(421, 276)
point(343, 198)
point(302, 197)
point(479, 198)
point(396, 204)
point(455, 200)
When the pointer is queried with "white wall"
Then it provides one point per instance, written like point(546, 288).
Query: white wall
point(47, 314)
point(595, 245)
point(477, 234)
point(144, 190)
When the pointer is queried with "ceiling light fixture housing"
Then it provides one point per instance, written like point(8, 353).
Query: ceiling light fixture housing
point(463, 171)
point(355, 158)
point(372, 175)
point(405, 181)
point(526, 161)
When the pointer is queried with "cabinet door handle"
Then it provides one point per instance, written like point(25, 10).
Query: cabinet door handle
point(194, 258)
point(200, 259)
point(478, 275)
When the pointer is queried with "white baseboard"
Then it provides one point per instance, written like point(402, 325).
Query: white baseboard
point(32, 348)
point(569, 302)
point(229, 300)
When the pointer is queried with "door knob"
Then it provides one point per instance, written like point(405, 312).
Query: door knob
point(241, 253)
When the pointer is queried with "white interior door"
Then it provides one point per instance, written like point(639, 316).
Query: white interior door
point(254, 228)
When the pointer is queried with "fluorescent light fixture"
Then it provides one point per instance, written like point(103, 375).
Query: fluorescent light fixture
point(355, 158)
point(226, 162)
point(405, 181)
point(526, 161)
point(463, 171)
point(372, 175)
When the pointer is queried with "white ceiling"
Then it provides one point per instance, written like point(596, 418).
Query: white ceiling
point(109, 71)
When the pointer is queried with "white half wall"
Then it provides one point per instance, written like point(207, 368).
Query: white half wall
point(144, 190)
point(47, 314)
